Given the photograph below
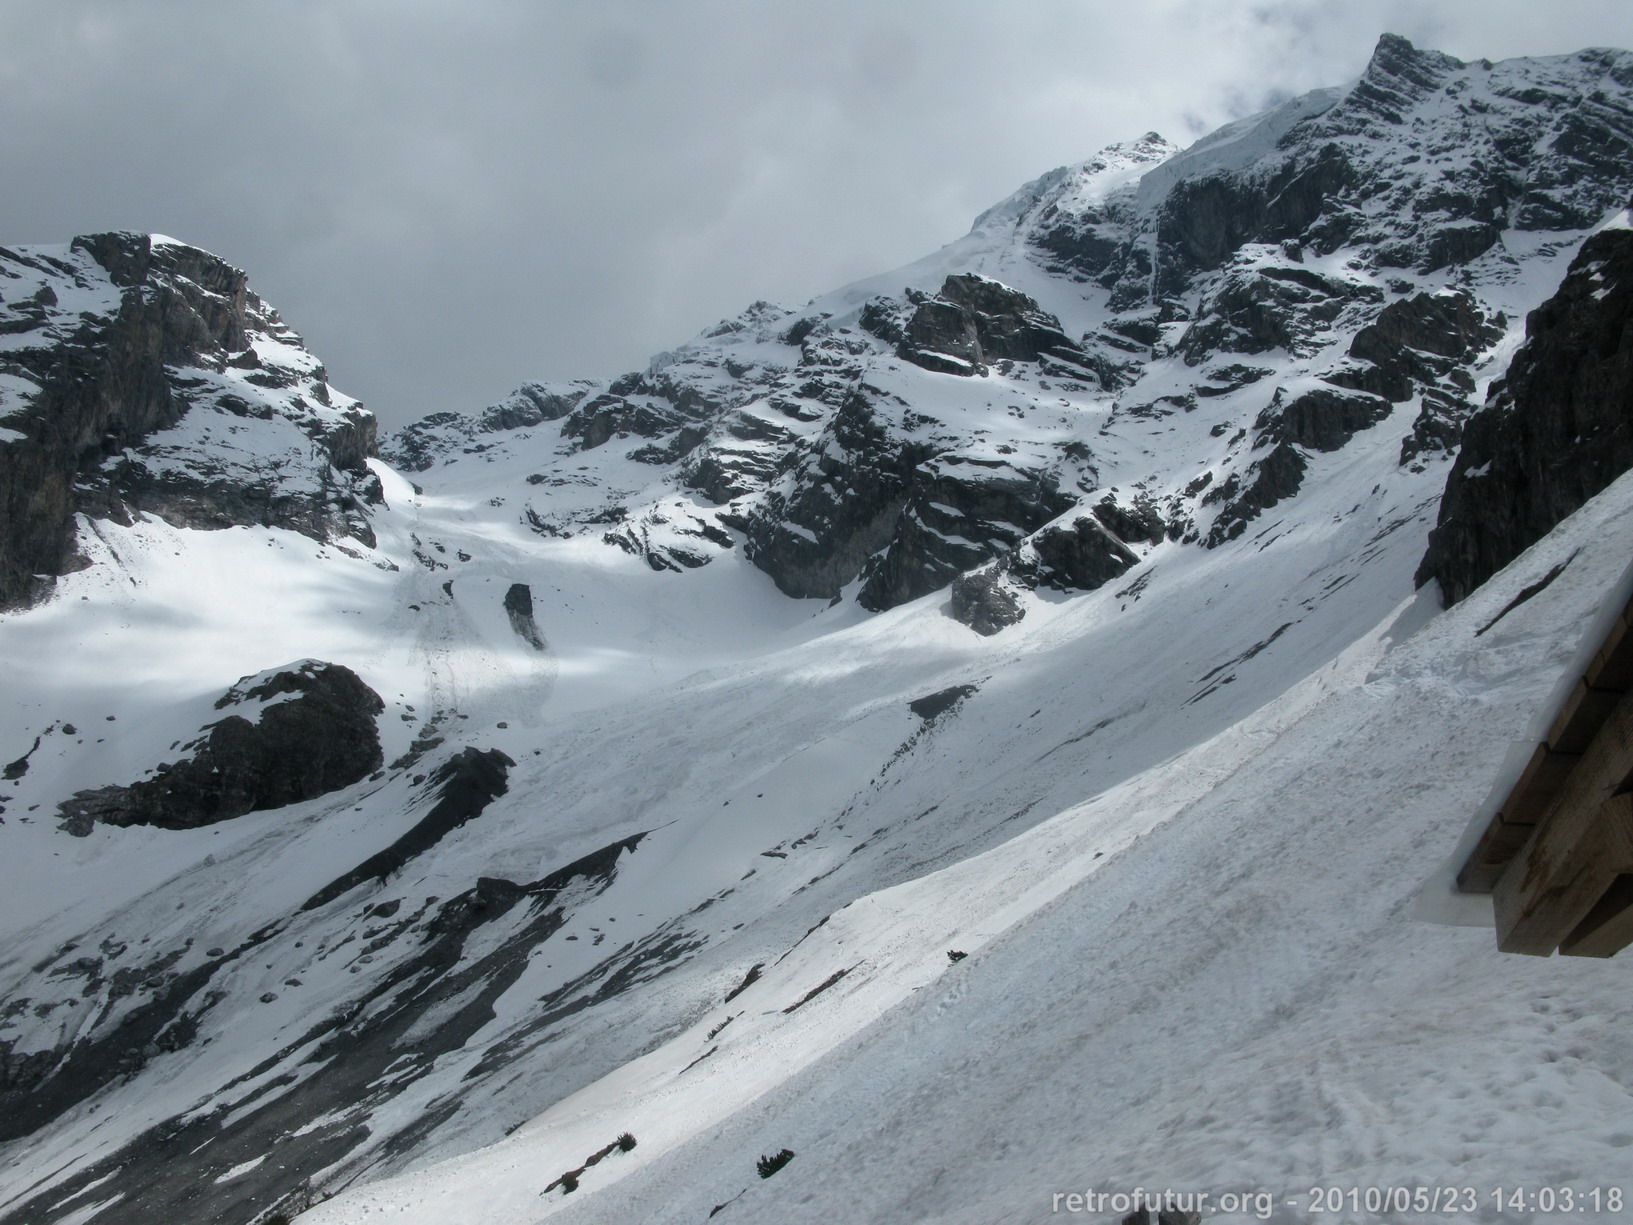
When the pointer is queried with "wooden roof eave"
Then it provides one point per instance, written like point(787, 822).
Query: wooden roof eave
point(1556, 850)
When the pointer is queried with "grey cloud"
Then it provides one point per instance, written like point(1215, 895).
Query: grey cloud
point(450, 198)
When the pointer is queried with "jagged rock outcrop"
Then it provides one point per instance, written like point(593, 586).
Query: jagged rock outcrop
point(519, 611)
point(1554, 432)
point(1425, 161)
point(1138, 522)
point(1319, 419)
point(1422, 339)
point(457, 955)
point(1427, 345)
point(1080, 555)
point(293, 734)
point(1270, 478)
point(1258, 307)
point(1357, 245)
point(668, 538)
point(466, 784)
point(1337, 183)
point(842, 503)
point(974, 321)
point(670, 400)
point(1078, 230)
point(960, 511)
point(1226, 326)
point(142, 375)
point(439, 436)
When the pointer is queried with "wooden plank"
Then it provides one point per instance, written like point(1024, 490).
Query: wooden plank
point(1574, 856)
point(1539, 785)
point(1497, 846)
point(1581, 717)
point(1608, 929)
point(1612, 666)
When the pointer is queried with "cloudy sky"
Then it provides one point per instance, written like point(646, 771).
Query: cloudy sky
point(450, 197)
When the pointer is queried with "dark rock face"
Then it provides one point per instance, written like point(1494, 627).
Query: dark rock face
point(679, 392)
point(439, 436)
point(1554, 432)
point(1322, 419)
point(1421, 340)
point(881, 504)
point(1078, 556)
point(1331, 181)
point(812, 440)
point(177, 334)
point(985, 602)
point(1205, 220)
point(960, 511)
point(933, 705)
point(1086, 238)
point(1425, 344)
point(519, 609)
point(843, 505)
point(314, 733)
point(1258, 309)
point(975, 321)
point(1140, 523)
point(1246, 495)
point(453, 958)
point(741, 457)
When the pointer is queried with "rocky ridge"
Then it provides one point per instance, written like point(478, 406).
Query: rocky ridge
point(289, 734)
point(1293, 280)
point(414, 966)
point(140, 375)
point(1557, 429)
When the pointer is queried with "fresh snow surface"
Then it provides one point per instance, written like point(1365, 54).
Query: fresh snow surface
point(1209, 977)
point(1191, 829)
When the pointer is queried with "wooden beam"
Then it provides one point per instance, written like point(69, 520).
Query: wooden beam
point(1496, 848)
point(1574, 857)
point(1539, 785)
point(1608, 929)
point(1583, 714)
point(1612, 666)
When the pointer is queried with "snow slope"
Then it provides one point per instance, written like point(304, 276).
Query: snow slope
point(1211, 977)
point(1179, 823)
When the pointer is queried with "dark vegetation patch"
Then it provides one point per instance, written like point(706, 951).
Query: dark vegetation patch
point(819, 989)
point(568, 1181)
point(767, 1166)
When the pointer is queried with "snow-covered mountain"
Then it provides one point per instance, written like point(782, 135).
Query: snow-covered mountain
point(977, 731)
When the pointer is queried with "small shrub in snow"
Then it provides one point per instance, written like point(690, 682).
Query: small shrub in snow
point(626, 1142)
point(767, 1166)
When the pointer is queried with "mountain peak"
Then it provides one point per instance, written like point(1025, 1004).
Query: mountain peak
point(1397, 56)
point(1398, 77)
point(130, 360)
point(1137, 473)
